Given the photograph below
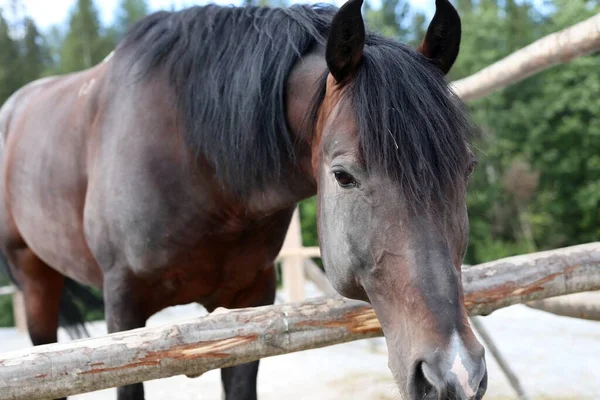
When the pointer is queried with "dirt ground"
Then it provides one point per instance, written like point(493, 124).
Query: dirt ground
point(556, 358)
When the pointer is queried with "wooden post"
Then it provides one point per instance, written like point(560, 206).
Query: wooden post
point(313, 273)
point(293, 264)
point(18, 304)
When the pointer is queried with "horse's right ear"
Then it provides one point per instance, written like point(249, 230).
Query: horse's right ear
point(346, 42)
point(442, 41)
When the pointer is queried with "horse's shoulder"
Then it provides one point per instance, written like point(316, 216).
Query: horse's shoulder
point(18, 99)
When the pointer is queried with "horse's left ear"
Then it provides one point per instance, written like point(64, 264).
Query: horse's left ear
point(346, 41)
point(442, 40)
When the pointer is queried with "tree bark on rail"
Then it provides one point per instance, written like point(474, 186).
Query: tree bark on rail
point(226, 338)
point(557, 48)
point(576, 305)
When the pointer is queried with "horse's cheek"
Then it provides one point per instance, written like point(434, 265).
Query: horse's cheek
point(338, 238)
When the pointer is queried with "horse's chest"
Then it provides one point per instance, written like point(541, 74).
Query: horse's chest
point(216, 267)
point(215, 274)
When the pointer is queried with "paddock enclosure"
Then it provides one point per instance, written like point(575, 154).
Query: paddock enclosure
point(230, 337)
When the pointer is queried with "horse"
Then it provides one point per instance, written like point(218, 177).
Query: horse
point(168, 174)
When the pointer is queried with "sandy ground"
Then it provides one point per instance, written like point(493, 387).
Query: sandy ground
point(555, 358)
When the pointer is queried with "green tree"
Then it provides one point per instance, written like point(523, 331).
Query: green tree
point(564, 140)
point(129, 12)
point(34, 56)
point(538, 180)
point(464, 6)
point(418, 29)
point(389, 19)
point(54, 39)
point(86, 43)
point(500, 225)
point(22, 59)
point(9, 57)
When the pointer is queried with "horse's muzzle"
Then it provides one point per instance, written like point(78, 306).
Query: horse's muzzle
point(463, 378)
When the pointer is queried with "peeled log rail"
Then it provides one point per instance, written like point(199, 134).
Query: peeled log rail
point(7, 290)
point(228, 338)
point(576, 305)
point(560, 47)
point(529, 277)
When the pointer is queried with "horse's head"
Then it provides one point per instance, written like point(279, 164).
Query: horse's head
point(392, 162)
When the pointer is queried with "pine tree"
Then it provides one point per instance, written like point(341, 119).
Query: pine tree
point(464, 6)
point(389, 19)
point(54, 40)
point(34, 55)
point(9, 58)
point(85, 44)
point(130, 11)
point(418, 29)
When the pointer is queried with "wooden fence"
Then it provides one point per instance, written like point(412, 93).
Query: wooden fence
point(230, 337)
point(233, 337)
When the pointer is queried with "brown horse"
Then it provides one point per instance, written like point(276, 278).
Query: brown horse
point(168, 174)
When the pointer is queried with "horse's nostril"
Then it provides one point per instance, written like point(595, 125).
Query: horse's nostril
point(426, 385)
point(422, 387)
point(431, 381)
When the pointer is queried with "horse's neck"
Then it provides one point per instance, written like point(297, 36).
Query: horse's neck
point(295, 183)
point(299, 182)
point(280, 195)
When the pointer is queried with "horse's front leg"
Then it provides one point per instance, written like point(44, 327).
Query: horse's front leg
point(42, 289)
point(124, 310)
point(239, 382)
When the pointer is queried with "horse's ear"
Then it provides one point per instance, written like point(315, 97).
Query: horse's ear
point(442, 40)
point(346, 41)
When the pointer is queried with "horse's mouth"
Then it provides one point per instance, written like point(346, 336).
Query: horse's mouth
point(425, 390)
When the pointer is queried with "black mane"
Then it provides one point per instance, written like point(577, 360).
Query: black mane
point(411, 125)
point(229, 68)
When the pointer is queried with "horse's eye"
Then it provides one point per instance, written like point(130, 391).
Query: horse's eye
point(470, 168)
point(344, 179)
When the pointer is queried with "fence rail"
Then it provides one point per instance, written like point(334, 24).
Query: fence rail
point(577, 305)
point(5, 290)
point(226, 338)
point(558, 48)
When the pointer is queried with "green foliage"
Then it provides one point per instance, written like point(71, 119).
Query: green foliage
point(85, 43)
point(418, 29)
point(35, 56)
point(6, 310)
point(54, 41)
point(308, 222)
point(389, 19)
point(9, 55)
point(129, 12)
point(23, 54)
point(551, 121)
